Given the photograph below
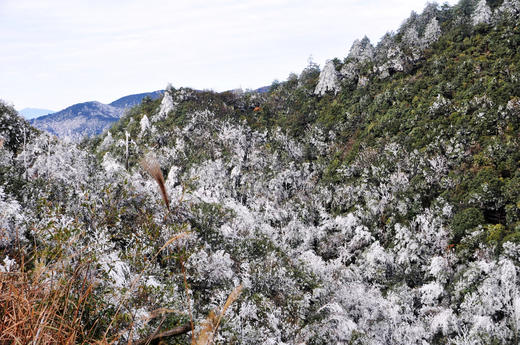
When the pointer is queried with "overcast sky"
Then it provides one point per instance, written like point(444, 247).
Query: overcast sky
point(55, 53)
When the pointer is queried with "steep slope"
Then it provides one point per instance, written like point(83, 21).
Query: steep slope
point(89, 118)
point(375, 201)
point(386, 184)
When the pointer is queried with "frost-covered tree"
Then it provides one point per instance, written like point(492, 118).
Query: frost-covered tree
point(510, 8)
point(432, 32)
point(411, 38)
point(167, 105)
point(482, 13)
point(328, 80)
point(11, 220)
point(361, 50)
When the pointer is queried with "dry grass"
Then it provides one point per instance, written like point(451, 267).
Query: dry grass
point(205, 335)
point(47, 305)
point(39, 312)
point(209, 328)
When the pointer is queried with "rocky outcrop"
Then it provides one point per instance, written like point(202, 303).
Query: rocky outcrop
point(328, 81)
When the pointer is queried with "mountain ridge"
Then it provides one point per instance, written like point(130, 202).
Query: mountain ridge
point(89, 118)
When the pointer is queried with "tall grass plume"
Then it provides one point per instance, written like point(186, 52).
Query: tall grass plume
point(150, 165)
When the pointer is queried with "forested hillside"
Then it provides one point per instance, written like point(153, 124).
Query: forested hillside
point(375, 200)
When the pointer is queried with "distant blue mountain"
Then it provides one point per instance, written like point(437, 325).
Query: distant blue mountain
point(263, 89)
point(133, 100)
point(30, 113)
point(89, 118)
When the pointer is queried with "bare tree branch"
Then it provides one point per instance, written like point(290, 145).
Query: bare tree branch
point(169, 333)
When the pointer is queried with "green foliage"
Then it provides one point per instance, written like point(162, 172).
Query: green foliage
point(496, 233)
point(13, 128)
point(465, 221)
point(454, 96)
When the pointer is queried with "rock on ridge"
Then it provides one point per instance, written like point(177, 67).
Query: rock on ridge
point(328, 80)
